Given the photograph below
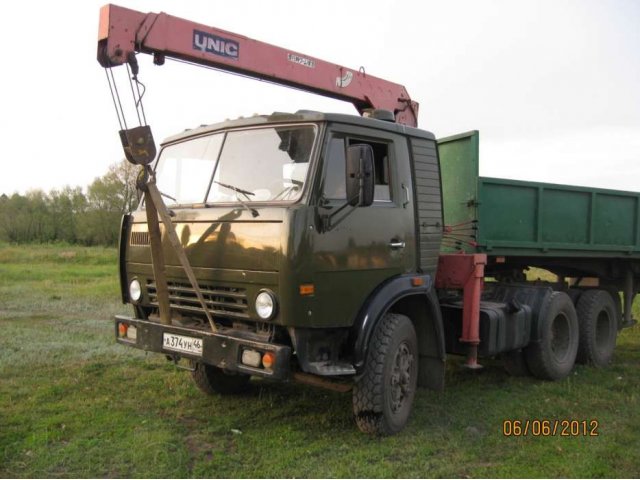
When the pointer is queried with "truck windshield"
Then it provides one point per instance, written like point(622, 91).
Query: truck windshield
point(257, 165)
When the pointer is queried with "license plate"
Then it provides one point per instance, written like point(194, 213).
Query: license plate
point(179, 343)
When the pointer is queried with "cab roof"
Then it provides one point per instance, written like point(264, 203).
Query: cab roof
point(301, 116)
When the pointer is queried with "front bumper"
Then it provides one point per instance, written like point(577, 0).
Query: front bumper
point(218, 349)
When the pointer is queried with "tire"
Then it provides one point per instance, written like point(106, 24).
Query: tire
point(617, 302)
point(597, 317)
point(212, 380)
point(553, 356)
point(383, 396)
point(515, 363)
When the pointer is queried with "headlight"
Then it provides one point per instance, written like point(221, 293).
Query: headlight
point(266, 304)
point(135, 290)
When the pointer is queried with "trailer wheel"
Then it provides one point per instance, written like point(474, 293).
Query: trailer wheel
point(597, 317)
point(515, 363)
point(211, 380)
point(553, 356)
point(383, 396)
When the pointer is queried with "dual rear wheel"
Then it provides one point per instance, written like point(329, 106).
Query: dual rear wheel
point(585, 334)
point(598, 318)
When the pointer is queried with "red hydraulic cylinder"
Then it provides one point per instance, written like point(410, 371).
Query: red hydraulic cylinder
point(465, 272)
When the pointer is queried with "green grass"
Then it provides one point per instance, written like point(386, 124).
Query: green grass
point(75, 404)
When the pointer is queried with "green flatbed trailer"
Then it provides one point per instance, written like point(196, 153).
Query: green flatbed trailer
point(589, 236)
point(527, 218)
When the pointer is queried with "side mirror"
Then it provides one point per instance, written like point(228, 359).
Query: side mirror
point(360, 175)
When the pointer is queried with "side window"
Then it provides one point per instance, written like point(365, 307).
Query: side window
point(334, 187)
point(381, 167)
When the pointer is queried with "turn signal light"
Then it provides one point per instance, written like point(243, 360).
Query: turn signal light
point(268, 359)
point(122, 329)
point(307, 289)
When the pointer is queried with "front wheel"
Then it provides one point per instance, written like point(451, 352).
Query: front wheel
point(383, 396)
point(210, 379)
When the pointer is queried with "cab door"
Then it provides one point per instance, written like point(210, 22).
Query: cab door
point(361, 247)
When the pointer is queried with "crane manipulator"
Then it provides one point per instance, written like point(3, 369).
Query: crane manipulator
point(124, 32)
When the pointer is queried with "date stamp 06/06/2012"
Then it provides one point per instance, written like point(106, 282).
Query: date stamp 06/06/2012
point(550, 428)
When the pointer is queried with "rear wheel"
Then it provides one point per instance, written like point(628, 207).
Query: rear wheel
point(553, 356)
point(210, 379)
point(617, 302)
point(383, 396)
point(597, 317)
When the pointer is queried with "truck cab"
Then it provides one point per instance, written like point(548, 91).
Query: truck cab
point(287, 265)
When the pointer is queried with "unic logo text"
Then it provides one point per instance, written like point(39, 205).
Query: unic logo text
point(209, 43)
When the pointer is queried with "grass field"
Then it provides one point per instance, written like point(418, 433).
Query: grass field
point(75, 404)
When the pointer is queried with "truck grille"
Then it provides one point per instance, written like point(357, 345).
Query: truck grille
point(139, 238)
point(222, 301)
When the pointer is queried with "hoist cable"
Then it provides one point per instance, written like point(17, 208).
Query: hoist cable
point(114, 88)
point(115, 105)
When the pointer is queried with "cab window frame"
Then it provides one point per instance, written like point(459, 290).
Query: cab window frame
point(352, 138)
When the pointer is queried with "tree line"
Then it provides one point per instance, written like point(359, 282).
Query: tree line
point(69, 214)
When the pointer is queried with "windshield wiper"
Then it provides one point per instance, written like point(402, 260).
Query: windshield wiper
point(296, 185)
point(246, 193)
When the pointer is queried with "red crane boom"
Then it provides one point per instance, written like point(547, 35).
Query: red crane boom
point(123, 32)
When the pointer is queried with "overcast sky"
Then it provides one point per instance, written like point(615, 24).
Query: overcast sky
point(553, 86)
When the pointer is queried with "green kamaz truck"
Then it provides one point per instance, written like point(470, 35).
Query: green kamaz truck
point(352, 252)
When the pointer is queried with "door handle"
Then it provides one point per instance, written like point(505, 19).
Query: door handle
point(407, 198)
point(397, 244)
